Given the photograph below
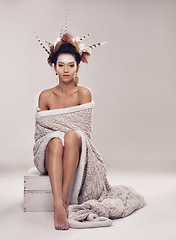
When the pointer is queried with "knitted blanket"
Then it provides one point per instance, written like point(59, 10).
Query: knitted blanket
point(92, 201)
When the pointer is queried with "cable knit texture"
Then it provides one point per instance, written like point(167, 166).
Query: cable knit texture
point(92, 201)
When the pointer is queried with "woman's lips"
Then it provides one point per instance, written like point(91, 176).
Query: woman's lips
point(66, 75)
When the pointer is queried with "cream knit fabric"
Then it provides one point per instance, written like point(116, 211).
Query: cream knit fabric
point(92, 201)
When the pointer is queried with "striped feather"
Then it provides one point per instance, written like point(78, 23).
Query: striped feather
point(85, 36)
point(41, 44)
point(96, 45)
point(49, 44)
point(61, 30)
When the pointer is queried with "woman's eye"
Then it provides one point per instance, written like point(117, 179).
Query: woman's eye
point(60, 65)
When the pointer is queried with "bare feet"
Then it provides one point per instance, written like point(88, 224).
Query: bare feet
point(60, 217)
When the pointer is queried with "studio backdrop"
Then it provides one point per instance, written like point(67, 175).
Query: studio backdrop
point(132, 78)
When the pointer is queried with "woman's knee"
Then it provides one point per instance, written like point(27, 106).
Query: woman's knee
point(72, 137)
point(54, 145)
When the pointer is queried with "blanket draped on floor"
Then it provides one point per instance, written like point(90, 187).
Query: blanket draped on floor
point(92, 201)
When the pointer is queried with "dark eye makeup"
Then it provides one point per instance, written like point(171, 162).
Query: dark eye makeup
point(72, 65)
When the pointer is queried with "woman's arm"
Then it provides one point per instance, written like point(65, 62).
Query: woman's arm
point(85, 95)
point(42, 101)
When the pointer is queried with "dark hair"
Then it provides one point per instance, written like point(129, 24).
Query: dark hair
point(65, 48)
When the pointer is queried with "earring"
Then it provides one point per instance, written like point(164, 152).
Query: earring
point(56, 78)
point(76, 79)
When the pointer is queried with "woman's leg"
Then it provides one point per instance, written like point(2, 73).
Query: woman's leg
point(71, 157)
point(61, 164)
point(53, 165)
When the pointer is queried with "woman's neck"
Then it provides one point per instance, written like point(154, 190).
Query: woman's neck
point(66, 88)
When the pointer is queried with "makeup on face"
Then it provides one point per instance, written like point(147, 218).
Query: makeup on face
point(66, 66)
point(67, 60)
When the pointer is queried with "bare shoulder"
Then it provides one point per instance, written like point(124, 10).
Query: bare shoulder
point(45, 93)
point(85, 95)
point(43, 99)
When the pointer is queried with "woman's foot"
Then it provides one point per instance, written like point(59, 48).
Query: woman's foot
point(66, 209)
point(60, 217)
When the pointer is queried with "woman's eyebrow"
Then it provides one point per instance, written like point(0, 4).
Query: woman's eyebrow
point(69, 62)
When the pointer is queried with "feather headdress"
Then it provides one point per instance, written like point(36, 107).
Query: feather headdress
point(67, 37)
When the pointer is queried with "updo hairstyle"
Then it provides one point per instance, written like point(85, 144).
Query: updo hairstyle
point(64, 48)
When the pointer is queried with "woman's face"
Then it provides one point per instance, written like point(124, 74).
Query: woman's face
point(66, 67)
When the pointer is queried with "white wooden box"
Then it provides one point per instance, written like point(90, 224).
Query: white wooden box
point(38, 195)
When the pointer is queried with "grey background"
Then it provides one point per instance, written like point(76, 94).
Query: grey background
point(132, 78)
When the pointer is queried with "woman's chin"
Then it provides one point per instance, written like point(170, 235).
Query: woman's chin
point(67, 80)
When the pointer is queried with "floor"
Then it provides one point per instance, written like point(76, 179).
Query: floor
point(156, 221)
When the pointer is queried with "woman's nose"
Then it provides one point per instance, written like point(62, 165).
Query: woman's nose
point(65, 69)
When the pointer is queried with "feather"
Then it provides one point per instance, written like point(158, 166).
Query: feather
point(49, 44)
point(84, 57)
point(41, 43)
point(96, 45)
point(67, 37)
point(52, 50)
point(61, 30)
point(85, 36)
point(66, 21)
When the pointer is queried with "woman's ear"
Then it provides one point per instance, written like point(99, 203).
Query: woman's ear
point(77, 69)
point(55, 68)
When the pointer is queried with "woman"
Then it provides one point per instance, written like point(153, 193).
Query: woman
point(61, 162)
point(63, 147)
